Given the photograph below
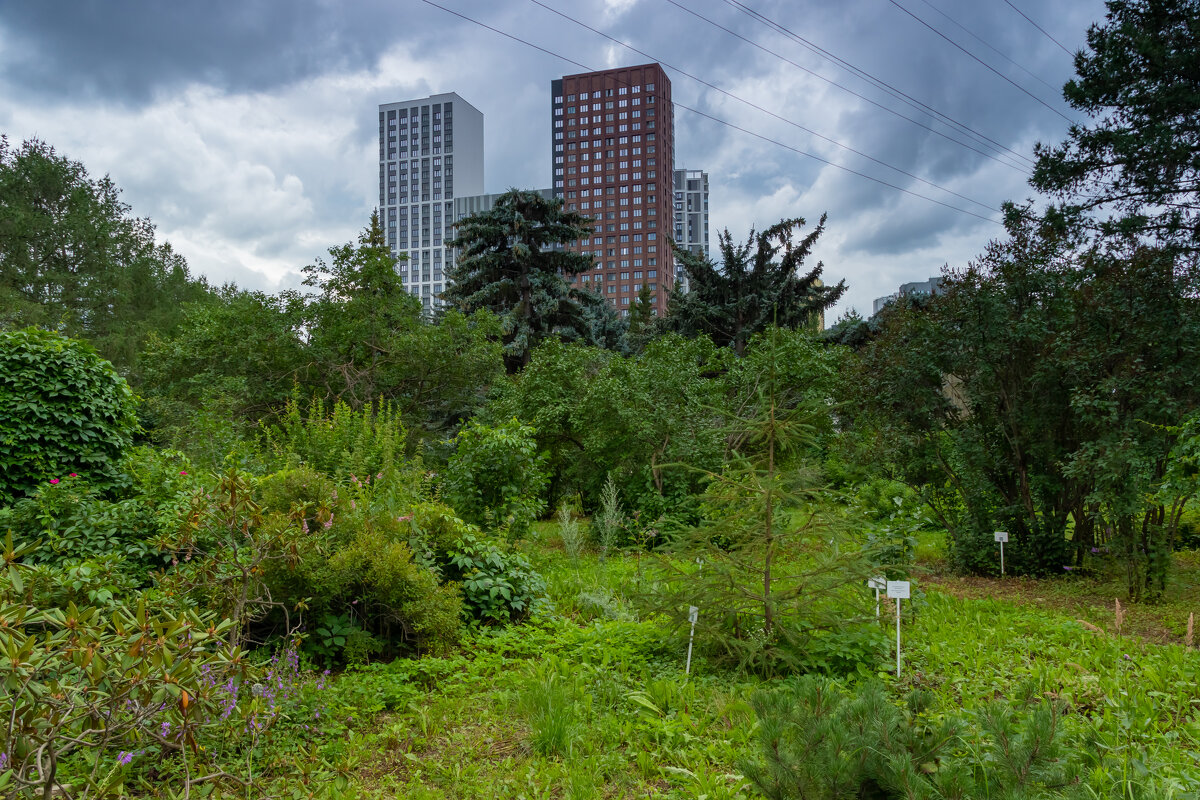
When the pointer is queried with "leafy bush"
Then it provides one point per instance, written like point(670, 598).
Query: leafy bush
point(302, 493)
point(65, 410)
point(72, 521)
point(392, 596)
point(86, 693)
point(497, 586)
point(496, 478)
point(338, 441)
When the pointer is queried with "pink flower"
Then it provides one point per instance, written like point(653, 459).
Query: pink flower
point(54, 480)
point(182, 472)
point(72, 475)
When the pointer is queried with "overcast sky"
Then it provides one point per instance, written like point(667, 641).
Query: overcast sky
point(247, 130)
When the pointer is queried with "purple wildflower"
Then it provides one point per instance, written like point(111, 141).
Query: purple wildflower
point(124, 757)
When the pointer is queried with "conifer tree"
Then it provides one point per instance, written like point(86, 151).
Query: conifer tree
point(756, 285)
point(509, 264)
point(768, 568)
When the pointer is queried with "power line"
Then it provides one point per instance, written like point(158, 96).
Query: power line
point(994, 49)
point(875, 81)
point(760, 108)
point(1040, 28)
point(716, 119)
point(981, 61)
point(864, 98)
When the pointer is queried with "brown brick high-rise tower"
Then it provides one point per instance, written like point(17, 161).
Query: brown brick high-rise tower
point(614, 156)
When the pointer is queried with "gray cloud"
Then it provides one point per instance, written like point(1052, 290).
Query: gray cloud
point(247, 130)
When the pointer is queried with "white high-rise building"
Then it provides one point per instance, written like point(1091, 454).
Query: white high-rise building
point(430, 152)
point(691, 216)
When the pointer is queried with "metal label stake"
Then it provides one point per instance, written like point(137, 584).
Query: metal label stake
point(878, 584)
point(898, 590)
point(693, 615)
point(1001, 537)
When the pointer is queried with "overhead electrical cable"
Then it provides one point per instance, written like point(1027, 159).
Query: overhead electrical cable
point(757, 107)
point(994, 49)
point(1040, 28)
point(718, 120)
point(875, 81)
point(981, 61)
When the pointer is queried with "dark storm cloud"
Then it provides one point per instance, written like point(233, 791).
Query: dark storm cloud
point(124, 51)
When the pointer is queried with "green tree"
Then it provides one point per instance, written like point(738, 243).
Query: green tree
point(1139, 157)
point(776, 565)
point(641, 318)
point(510, 264)
point(237, 357)
point(752, 288)
point(72, 258)
point(63, 410)
point(1041, 395)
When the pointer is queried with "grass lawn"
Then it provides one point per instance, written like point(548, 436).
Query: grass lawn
point(589, 701)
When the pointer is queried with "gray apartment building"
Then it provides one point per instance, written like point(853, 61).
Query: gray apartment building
point(430, 153)
point(931, 287)
point(691, 216)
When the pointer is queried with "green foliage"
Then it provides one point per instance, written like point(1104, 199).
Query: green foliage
point(237, 357)
point(64, 410)
point(635, 418)
point(508, 265)
point(1037, 396)
point(369, 341)
point(393, 596)
point(496, 478)
point(1127, 699)
point(750, 291)
point(549, 701)
point(85, 693)
point(569, 531)
point(818, 741)
point(773, 567)
point(73, 521)
point(608, 524)
point(338, 441)
point(1138, 157)
point(497, 586)
point(347, 565)
point(73, 259)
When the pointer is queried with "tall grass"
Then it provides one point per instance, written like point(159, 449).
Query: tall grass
point(549, 702)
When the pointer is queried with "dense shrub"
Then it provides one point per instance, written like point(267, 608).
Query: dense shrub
point(496, 478)
point(498, 586)
point(75, 520)
point(819, 742)
point(337, 441)
point(63, 409)
point(87, 692)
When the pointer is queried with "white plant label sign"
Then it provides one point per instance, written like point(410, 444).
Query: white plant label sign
point(877, 584)
point(1001, 536)
point(693, 615)
point(898, 590)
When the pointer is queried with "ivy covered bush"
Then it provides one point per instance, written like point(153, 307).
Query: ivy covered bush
point(66, 410)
